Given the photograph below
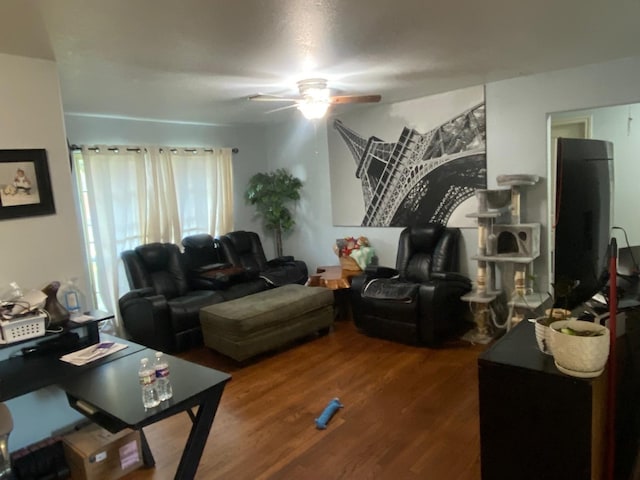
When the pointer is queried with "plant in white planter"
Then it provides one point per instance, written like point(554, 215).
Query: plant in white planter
point(580, 348)
point(561, 290)
point(543, 327)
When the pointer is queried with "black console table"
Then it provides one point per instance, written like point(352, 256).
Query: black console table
point(535, 422)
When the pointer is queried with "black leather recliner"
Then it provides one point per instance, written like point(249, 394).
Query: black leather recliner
point(208, 269)
point(418, 302)
point(161, 311)
point(244, 249)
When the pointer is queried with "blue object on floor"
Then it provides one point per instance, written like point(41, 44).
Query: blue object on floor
point(323, 419)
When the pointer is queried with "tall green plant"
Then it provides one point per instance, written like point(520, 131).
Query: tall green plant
point(270, 193)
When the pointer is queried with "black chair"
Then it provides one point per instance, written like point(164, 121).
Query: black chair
point(244, 249)
point(161, 311)
point(418, 302)
point(208, 269)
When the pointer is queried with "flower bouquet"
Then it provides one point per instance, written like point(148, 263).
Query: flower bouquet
point(354, 253)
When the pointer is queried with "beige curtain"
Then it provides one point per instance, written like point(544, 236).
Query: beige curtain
point(162, 223)
point(204, 185)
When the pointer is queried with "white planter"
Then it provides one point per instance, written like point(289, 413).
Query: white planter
point(543, 334)
point(576, 355)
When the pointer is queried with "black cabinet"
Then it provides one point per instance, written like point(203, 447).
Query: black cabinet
point(535, 422)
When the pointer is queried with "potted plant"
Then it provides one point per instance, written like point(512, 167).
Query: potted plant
point(580, 348)
point(558, 311)
point(270, 193)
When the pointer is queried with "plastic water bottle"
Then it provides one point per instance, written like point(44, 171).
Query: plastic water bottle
point(163, 384)
point(147, 377)
point(71, 298)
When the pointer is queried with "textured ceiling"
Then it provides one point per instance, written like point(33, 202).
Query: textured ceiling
point(198, 60)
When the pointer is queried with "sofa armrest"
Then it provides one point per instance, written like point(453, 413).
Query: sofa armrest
point(139, 293)
point(451, 276)
point(276, 262)
point(147, 320)
point(378, 271)
point(441, 307)
point(371, 272)
point(211, 267)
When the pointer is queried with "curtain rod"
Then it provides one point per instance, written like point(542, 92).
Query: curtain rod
point(113, 149)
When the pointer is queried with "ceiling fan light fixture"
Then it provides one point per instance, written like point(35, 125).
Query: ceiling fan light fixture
point(313, 109)
point(315, 98)
point(317, 94)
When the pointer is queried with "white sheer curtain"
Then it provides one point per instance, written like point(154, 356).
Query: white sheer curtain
point(163, 222)
point(204, 185)
point(132, 195)
point(115, 179)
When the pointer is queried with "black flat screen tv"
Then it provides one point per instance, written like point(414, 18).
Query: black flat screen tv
point(584, 191)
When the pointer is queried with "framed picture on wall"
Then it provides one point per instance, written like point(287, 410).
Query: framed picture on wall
point(25, 186)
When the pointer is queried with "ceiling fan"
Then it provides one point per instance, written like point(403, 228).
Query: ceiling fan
point(315, 98)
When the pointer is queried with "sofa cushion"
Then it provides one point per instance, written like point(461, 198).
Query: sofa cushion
point(162, 269)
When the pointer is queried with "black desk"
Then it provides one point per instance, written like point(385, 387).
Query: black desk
point(110, 396)
point(107, 390)
point(24, 374)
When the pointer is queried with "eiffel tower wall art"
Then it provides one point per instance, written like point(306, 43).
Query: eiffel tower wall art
point(410, 162)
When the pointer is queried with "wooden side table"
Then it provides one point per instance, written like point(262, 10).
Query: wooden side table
point(338, 279)
point(332, 277)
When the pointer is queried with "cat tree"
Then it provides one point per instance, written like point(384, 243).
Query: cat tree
point(513, 246)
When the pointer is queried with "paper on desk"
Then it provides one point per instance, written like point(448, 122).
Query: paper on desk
point(81, 318)
point(92, 353)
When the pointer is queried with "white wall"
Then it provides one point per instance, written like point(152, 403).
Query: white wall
point(37, 250)
point(611, 124)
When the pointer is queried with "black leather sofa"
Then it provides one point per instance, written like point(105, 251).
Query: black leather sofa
point(169, 287)
point(208, 268)
point(161, 310)
point(244, 249)
point(418, 302)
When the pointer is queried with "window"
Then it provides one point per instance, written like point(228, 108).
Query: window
point(130, 196)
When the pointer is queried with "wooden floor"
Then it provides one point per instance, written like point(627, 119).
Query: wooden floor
point(409, 413)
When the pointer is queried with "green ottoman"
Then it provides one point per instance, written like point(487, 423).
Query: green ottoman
point(247, 326)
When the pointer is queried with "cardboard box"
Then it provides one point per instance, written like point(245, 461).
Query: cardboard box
point(93, 453)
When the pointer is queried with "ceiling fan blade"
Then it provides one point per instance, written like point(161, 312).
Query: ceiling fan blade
point(282, 108)
point(340, 99)
point(271, 98)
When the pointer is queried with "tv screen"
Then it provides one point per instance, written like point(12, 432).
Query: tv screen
point(584, 188)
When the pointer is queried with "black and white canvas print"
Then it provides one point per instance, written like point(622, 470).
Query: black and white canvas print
point(409, 163)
